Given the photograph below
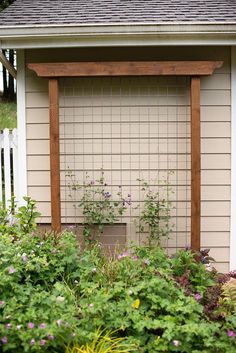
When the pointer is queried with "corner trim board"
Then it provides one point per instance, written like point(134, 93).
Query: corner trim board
point(233, 162)
point(21, 128)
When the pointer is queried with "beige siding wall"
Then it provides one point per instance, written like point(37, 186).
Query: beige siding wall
point(215, 115)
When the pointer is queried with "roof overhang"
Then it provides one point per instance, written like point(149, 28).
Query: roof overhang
point(124, 34)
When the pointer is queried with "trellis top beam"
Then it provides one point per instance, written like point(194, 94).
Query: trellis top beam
point(125, 68)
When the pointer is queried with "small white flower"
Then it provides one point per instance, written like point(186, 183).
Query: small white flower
point(130, 292)
point(94, 270)
point(11, 220)
point(208, 267)
point(176, 343)
point(60, 299)
point(146, 262)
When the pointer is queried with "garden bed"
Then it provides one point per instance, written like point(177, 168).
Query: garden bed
point(56, 297)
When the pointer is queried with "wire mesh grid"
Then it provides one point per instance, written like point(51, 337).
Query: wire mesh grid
point(132, 129)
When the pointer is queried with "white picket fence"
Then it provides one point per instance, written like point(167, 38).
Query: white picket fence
point(8, 165)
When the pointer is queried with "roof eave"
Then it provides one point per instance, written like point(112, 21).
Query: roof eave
point(129, 34)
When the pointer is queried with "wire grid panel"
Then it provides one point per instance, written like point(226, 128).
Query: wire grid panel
point(132, 129)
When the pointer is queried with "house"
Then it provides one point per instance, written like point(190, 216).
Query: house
point(130, 73)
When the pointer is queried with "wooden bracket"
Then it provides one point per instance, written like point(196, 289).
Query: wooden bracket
point(126, 68)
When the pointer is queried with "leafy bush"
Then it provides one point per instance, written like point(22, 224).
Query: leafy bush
point(7, 114)
point(20, 220)
point(144, 300)
point(37, 306)
point(53, 295)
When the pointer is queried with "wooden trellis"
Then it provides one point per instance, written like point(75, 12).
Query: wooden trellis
point(193, 69)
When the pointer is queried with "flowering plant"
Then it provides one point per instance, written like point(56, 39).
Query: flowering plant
point(33, 269)
point(155, 215)
point(99, 206)
point(15, 220)
point(53, 296)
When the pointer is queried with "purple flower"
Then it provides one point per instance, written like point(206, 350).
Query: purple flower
point(121, 256)
point(2, 303)
point(8, 326)
point(176, 343)
point(32, 342)
point(11, 270)
point(42, 342)
point(71, 227)
point(198, 296)
point(231, 333)
point(51, 337)
point(24, 258)
point(4, 339)
point(30, 325)
point(43, 325)
point(135, 257)
point(107, 195)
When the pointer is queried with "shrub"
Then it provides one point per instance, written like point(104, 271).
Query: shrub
point(143, 299)
point(37, 305)
point(54, 295)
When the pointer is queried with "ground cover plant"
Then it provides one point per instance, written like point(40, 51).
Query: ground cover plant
point(7, 115)
point(55, 297)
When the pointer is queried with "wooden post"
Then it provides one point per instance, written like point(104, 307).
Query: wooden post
point(54, 154)
point(195, 164)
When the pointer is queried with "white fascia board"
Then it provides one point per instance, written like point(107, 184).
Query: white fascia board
point(117, 35)
point(117, 41)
